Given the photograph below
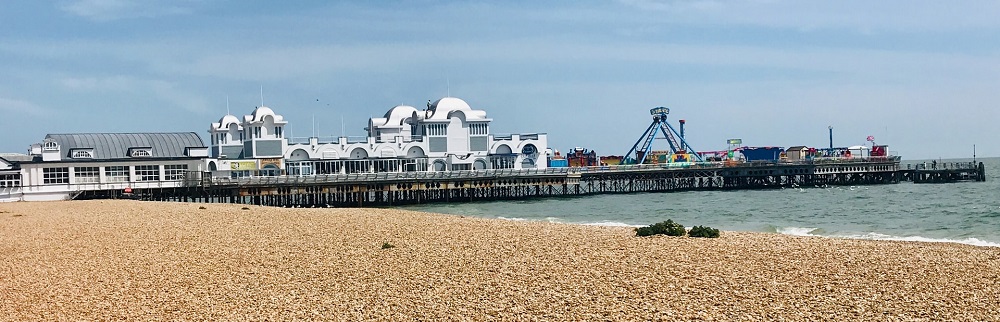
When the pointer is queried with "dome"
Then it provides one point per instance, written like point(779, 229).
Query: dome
point(396, 115)
point(446, 105)
point(260, 112)
point(226, 121)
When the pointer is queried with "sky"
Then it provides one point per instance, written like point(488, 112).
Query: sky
point(920, 76)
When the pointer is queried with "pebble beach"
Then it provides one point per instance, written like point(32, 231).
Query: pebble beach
point(116, 259)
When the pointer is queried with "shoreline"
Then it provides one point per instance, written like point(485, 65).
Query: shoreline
point(149, 260)
point(789, 231)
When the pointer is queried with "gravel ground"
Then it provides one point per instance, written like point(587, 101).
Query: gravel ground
point(112, 260)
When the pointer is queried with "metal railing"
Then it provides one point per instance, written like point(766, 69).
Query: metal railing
point(385, 176)
point(934, 165)
point(514, 173)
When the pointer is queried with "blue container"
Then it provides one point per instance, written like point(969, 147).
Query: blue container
point(558, 163)
point(762, 153)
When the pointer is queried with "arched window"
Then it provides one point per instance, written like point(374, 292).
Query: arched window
point(140, 153)
point(50, 146)
point(82, 154)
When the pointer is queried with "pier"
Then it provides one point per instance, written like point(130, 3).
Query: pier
point(389, 189)
point(944, 172)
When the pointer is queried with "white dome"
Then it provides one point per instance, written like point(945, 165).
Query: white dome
point(226, 121)
point(262, 111)
point(396, 115)
point(446, 105)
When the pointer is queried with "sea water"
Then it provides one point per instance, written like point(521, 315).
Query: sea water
point(964, 212)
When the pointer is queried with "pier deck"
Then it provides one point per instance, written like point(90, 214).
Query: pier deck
point(387, 189)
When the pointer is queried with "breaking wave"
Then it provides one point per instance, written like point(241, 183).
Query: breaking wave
point(817, 232)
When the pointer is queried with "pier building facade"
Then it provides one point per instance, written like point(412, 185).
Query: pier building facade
point(448, 135)
point(65, 164)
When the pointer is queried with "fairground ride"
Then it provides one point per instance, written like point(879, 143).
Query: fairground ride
point(678, 146)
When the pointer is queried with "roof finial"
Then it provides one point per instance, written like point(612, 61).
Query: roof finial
point(227, 106)
point(262, 95)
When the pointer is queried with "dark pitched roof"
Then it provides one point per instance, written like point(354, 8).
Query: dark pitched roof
point(116, 145)
point(16, 157)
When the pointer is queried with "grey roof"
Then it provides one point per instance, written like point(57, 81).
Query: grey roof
point(116, 145)
point(16, 157)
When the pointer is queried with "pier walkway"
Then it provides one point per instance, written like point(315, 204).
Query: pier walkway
point(387, 189)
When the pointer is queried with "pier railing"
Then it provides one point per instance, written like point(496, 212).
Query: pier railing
point(513, 173)
point(934, 165)
point(386, 176)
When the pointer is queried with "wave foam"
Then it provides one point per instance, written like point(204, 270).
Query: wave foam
point(610, 224)
point(796, 231)
point(877, 236)
point(803, 231)
point(512, 218)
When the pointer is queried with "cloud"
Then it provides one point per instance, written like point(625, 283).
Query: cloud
point(114, 83)
point(17, 106)
point(858, 15)
point(164, 91)
point(110, 10)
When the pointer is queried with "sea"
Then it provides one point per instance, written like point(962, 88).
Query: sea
point(963, 212)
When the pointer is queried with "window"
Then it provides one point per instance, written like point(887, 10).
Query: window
point(55, 175)
point(174, 172)
point(277, 132)
point(437, 129)
point(116, 173)
point(50, 146)
point(82, 154)
point(147, 173)
point(10, 180)
point(86, 174)
point(140, 153)
point(478, 129)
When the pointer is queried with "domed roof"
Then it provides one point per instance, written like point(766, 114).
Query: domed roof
point(446, 105)
point(262, 111)
point(396, 115)
point(228, 119)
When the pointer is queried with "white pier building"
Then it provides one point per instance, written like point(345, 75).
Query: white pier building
point(446, 136)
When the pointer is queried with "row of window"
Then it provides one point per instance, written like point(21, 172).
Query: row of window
point(479, 129)
point(113, 174)
point(82, 154)
point(10, 180)
point(133, 152)
point(436, 129)
point(223, 138)
point(220, 138)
